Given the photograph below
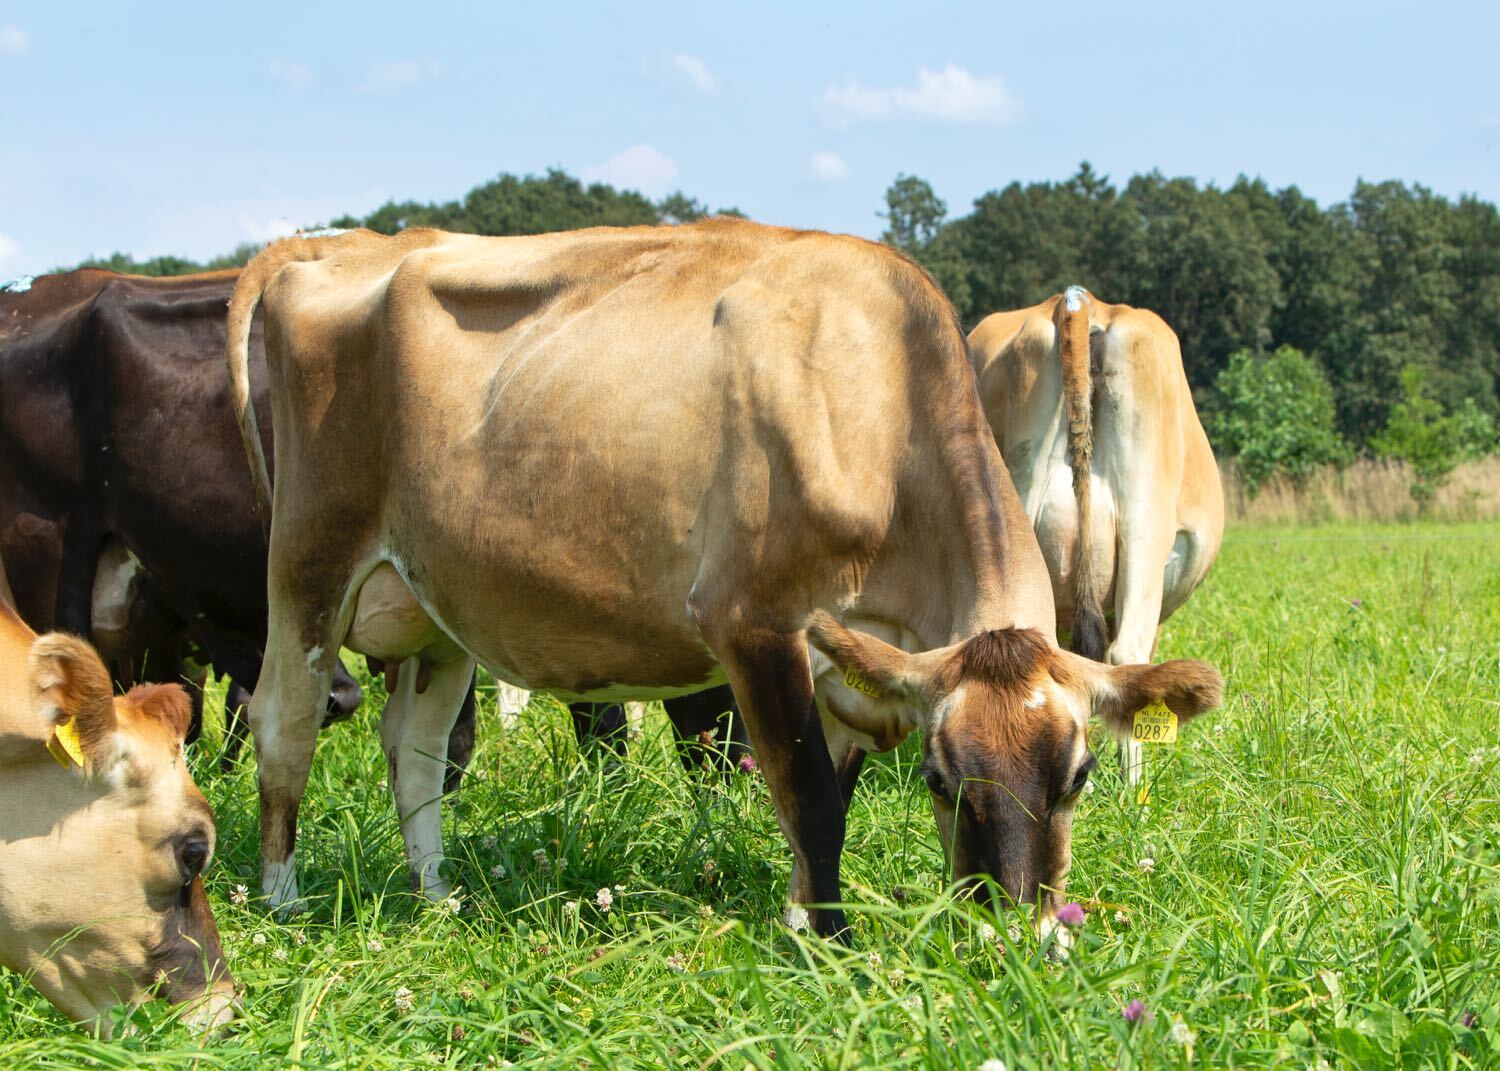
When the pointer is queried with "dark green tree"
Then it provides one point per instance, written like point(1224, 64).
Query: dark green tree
point(1275, 414)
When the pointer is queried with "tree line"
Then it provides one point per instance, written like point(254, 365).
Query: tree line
point(1309, 333)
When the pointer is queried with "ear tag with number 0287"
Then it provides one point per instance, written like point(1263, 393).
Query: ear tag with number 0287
point(859, 684)
point(65, 746)
point(1155, 724)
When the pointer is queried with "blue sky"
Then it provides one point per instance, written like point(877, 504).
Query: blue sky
point(188, 128)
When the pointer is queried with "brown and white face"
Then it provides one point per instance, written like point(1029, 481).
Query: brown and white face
point(1004, 720)
point(101, 902)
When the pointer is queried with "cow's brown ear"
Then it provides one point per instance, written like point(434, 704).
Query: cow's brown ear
point(1188, 687)
point(165, 703)
point(72, 693)
point(869, 665)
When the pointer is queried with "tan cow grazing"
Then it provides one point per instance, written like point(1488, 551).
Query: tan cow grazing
point(103, 836)
point(630, 464)
point(1074, 386)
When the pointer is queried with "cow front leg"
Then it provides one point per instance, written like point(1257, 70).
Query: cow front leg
point(285, 712)
point(414, 733)
point(772, 681)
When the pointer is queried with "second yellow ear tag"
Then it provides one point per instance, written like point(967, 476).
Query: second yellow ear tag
point(859, 684)
point(65, 746)
point(1155, 724)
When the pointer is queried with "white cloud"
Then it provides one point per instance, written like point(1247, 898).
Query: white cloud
point(266, 230)
point(400, 74)
point(829, 167)
point(14, 41)
point(298, 76)
point(10, 250)
point(951, 95)
point(201, 229)
point(682, 71)
point(639, 167)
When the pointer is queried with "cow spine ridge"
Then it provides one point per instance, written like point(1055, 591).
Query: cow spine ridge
point(1071, 318)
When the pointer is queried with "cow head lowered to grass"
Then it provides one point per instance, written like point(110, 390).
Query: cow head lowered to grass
point(103, 836)
point(1004, 722)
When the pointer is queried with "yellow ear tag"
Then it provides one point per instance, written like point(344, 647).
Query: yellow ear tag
point(859, 684)
point(65, 746)
point(1155, 724)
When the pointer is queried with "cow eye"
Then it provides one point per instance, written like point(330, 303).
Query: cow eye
point(935, 782)
point(1082, 776)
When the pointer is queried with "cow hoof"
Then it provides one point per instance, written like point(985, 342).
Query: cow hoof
point(1057, 938)
point(279, 882)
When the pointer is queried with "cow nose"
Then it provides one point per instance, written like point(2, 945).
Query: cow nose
point(192, 854)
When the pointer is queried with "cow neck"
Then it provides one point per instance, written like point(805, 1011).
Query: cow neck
point(996, 575)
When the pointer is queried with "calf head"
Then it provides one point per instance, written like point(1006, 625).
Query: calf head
point(102, 844)
point(1004, 719)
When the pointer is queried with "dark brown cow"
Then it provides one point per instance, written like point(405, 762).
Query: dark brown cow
point(126, 512)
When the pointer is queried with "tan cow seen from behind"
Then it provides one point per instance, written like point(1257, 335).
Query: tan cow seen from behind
point(103, 836)
point(634, 464)
point(1074, 386)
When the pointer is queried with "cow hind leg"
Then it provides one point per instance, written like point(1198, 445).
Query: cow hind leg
point(772, 681)
point(1138, 597)
point(461, 740)
point(414, 733)
point(285, 713)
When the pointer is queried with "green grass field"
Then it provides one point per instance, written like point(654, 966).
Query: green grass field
point(1325, 887)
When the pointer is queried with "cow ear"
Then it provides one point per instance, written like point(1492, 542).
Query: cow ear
point(165, 703)
point(1188, 687)
point(72, 693)
point(869, 665)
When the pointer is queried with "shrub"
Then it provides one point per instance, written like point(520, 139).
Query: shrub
point(1275, 414)
point(1432, 442)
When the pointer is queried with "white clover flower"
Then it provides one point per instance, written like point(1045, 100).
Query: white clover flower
point(993, 1065)
point(239, 895)
point(1122, 919)
point(562, 863)
point(987, 933)
point(540, 856)
point(1088, 788)
point(604, 898)
point(453, 905)
point(497, 872)
point(259, 940)
point(1147, 864)
point(279, 955)
point(1181, 1034)
point(913, 1003)
point(619, 888)
point(706, 910)
point(897, 977)
point(1013, 931)
point(405, 1000)
point(676, 962)
point(489, 842)
point(299, 938)
point(374, 945)
point(571, 907)
point(875, 960)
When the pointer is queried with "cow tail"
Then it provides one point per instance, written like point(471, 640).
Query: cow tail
point(247, 294)
point(1071, 319)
